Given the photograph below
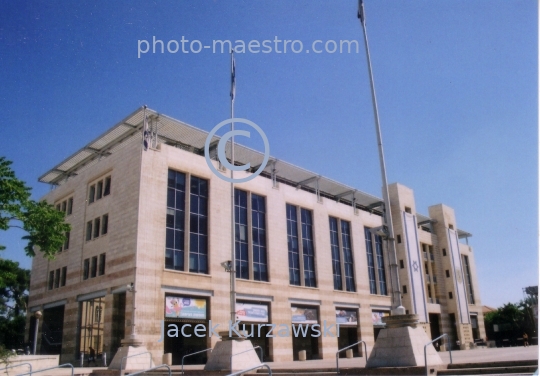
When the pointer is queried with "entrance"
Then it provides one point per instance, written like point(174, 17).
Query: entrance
point(474, 326)
point(302, 319)
point(51, 331)
point(251, 315)
point(348, 330)
point(118, 321)
point(434, 320)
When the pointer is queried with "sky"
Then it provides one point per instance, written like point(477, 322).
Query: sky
point(456, 84)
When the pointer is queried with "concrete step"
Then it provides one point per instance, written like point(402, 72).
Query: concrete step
point(521, 370)
point(510, 363)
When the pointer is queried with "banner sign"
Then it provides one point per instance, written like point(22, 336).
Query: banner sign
point(304, 315)
point(463, 305)
point(376, 317)
point(346, 317)
point(416, 276)
point(252, 312)
point(185, 308)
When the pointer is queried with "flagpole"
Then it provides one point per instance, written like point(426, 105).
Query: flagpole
point(397, 307)
point(233, 253)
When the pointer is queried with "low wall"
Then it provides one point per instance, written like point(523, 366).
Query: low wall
point(37, 362)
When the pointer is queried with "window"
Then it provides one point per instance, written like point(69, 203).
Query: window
point(88, 230)
point(258, 231)
point(376, 267)
point(451, 227)
point(401, 264)
point(99, 190)
point(97, 227)
point(101, 264)
point(300, 251)
point(370, 262)
point(450, 295)
point(468, 279)
point(105, 224)
point(380, 265)
point(64, 276)
point(444, 251)
point(91, 194)
point(404, 289)
point(57, 279)
point(341, 252)
point(107, 187)
point(174, 243)
point(407, 210)
point(51, 279)
point(399, 238)
point(198, 229)
point(447, 273)
point(86, 269)
point(70, 206)
point(93, 267)
point(241, 239)
point(64, 207)
point(58, 207)
point(66, 242)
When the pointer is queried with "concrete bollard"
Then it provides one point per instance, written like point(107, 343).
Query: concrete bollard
point(167, 359)
point(302, 355)
point(349, 353)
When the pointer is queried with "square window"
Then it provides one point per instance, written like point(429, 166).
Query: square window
point(407, 209)
point(86, 269)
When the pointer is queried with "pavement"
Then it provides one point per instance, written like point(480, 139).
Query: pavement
point(464, 356)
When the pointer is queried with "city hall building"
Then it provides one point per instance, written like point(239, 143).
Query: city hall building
point(306, 254)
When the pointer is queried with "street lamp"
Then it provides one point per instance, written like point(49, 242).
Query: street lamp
point(37, 315)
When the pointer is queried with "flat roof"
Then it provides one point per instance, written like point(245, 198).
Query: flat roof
point(177, 133)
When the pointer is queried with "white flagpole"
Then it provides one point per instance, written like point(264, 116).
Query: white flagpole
point(397, 307)
point(233, 225)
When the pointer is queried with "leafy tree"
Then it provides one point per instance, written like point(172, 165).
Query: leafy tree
point(44, 224)
point(14, 286)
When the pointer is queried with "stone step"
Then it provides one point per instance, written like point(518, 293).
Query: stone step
point(521, 370)
point(509, 363)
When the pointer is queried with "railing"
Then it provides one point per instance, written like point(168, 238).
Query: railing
point(131, 356)
point(18, 365)
point(348, 347)
point(251, 369)
point(198, 352)
point(429, 343)
point(248, 350)
point(151, 369)
point(48, 369)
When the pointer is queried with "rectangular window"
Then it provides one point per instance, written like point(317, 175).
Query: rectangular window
point(450, 295)
point(101, 264)
point(399, 238)
point(258, 224)
point(66, 242)
point(93, 267)
point(107, 187)
point(88, 230)
point(99, 190)
point(57, 278)
point(64, 276)
point(241, 233)
point(348, 262)
point(401, 264)
point(370, 262)
point(198, 225)
point(293, 245)
point(447, 273)
point(91, 194)
point(58, 207)
point(308, 249)
point(444, 251)
point(468, 279)
point(380, 265)
point(336, 255)
point(404, 289)
point(64, 206)
point(70, 206)
point(175, 222)
point(51, 279)
point(86, 269)
point(105, 224)
point(97, 227)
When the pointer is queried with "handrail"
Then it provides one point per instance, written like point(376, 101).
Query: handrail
point(348, 347)
point(18, 365)
point(131, 356)
point(436, 339)
point(248, 350)
point(151, 369)
point(48, 369)
point(185, 356)
point(251, 369)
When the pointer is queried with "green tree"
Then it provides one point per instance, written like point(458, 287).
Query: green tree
point(14, 286)
point(45, 226)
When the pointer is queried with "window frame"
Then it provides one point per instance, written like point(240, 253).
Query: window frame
point(375, 248)
point(304, 235)
point(344, 253)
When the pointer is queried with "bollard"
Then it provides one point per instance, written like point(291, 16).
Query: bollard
point(167, 359)
point(349, 353)
point(302, 355)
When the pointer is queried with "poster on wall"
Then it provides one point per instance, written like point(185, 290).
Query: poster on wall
point(304, 315)
point(376, 317)
point(346, 317)
point(252, 312)
point(179, 307)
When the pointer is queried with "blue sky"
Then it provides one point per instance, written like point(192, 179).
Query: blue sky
point(456, 85)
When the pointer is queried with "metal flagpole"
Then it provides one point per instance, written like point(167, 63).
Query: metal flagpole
point(233, 253)
point(397, 307)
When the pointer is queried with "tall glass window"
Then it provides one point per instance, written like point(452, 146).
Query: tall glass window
point(348, 262)
point(380, 265)
point(198, 226)
point(241, 233)
point(336, 256)
point(370, 262)
point(258, 222)
point(468, 279)
point(175, 223)
point(92, 313)
point(292, 244)
point(308, 250)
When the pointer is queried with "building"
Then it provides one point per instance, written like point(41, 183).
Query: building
point(306, 253)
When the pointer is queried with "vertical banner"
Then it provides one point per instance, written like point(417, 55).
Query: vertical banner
point(461, 294)
point(416, 276)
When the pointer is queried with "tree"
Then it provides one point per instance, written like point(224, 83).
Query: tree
point(44, 224)
point(14, 286)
